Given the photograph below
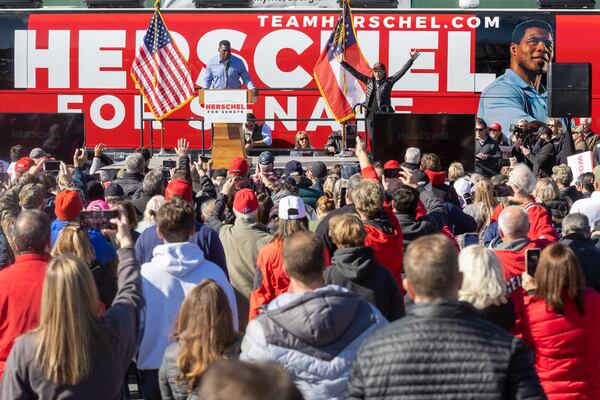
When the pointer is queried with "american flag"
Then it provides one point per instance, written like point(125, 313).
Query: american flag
point(340, 90)
point(161, 72)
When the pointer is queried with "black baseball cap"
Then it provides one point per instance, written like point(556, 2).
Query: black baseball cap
point(266, 158)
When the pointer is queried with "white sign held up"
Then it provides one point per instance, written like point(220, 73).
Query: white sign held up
point(580, 164)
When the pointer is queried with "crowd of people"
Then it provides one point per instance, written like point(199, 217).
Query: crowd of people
point(369, 281)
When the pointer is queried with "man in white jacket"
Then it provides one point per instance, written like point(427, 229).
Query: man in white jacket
point(177, 266)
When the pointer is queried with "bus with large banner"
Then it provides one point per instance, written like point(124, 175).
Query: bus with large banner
point(78, 61)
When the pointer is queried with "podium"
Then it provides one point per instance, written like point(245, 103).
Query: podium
point(228, 137)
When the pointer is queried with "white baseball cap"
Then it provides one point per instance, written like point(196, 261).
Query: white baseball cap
point(291, 207)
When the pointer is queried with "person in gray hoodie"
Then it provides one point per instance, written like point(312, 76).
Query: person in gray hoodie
point(177, 266)
point(313, 331)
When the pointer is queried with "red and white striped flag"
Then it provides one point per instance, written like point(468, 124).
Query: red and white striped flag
point(161, 72)
point(340, 90)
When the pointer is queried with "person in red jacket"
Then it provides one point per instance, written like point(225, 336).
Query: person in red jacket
point(522, 181)
point(561, 324)
point(383, 230)
point(271, 280)
point(21, 283)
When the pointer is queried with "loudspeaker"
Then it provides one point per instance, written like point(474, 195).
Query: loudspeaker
point(566, 3)
point(569, 93)
point(21, 4)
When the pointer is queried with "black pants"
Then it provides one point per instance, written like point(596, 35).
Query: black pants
point(150, 388)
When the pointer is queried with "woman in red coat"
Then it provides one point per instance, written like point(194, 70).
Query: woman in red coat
point(562, 324)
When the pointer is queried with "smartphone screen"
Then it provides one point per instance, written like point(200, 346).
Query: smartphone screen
point(98, 219)
point(343, 192)
point(391, 172)
point(169, 163)
point(471, 239)
point(503, 191)
point(51, 165)
point(242, 184)
point(532, 258)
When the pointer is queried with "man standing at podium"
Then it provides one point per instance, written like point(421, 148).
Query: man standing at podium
point(226, 71)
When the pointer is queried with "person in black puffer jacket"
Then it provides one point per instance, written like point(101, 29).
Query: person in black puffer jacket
point(442, 349)
point(353, 266)
point(576, 235)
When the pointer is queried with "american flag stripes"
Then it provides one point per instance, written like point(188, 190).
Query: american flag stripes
point(161, 72)
point(340, 90)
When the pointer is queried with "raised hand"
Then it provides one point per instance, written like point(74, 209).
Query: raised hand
point(80, 157)
point(414, 54)
point(99, 149)
point(183, 147)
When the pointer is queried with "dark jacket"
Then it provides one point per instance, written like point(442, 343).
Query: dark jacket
point(173, 389)
point(502, 315)
point(24, 379)
point(323, 227)
point(130, 182)
point(557, 209)
point(570, 195)
point(355, 268)
point(564, 147)
point(588, 256)
point(206, 238)
point(378, 94)
point(139, 201)
point(443, 351)
point(543, 158)
point(432, 222)
point(491, 165)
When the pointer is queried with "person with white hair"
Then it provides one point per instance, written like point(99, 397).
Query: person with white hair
point(522, 182)
point(412, 158)
point(132, 178)
point(484, 287)
point(152, 207)
point(585, 139)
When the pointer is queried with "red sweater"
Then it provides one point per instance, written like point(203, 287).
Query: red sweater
point(21, 287)
point(566, 347)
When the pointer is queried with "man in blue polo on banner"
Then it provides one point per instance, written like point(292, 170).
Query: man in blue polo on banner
point(518, 93)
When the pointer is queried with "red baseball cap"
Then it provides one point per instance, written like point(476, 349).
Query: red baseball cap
point(391, 164)
point(67, 205)
point(238, 166)
point(245, 201)
point(179, 187)
point(495, 127)
point(24, 164)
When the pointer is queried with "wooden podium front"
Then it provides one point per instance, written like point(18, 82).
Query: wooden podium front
point(228, 138)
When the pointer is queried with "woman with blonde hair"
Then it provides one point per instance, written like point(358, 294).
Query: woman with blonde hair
point(484, 286)
point(483, 204)
point(76, 352)
point(547, 192)
point(302, 145)
point(203, 335)
point(74, 241)
point(152, 207)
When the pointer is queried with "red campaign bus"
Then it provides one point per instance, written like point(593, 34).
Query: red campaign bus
point(78, 61)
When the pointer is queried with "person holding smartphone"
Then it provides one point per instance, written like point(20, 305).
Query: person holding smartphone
point(561, 324)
